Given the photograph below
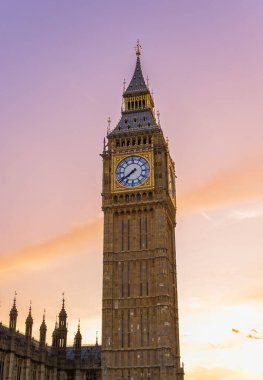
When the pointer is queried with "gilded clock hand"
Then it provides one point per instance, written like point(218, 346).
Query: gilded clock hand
point(128, 175)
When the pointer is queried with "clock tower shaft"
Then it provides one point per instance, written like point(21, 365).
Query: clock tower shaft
point(140, 332)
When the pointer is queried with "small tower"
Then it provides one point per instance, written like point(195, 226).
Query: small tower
point(54, 335)
point(43, 332)
point(77, 342)
point(29, 324)
point(62, 330)
point(13, 316)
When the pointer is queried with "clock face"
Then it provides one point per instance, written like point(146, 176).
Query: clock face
point(132, 171)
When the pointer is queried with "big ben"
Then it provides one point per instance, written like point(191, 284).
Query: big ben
point(140, 331)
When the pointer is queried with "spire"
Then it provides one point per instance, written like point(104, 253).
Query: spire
point(78, 336)
point(43, 325)
point(137, 84)
point(43, 332)
point(54, 334)
point(13, 315)
point(77, 342)
point(62, 314)
point(29, 323)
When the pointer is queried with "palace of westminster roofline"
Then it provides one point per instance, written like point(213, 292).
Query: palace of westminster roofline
point(57, 354)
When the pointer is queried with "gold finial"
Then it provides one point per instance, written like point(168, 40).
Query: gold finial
point(124, 85)
point(138, 48)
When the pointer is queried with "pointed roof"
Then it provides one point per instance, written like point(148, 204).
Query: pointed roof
point(78, 335)
point(13, 311)
point(63, 313)
point(43, 325)
point(137, 83)
point(29, 319)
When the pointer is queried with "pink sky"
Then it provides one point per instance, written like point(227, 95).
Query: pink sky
point(62, 68)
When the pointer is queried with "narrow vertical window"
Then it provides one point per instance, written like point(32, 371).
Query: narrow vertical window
point(129, 280)
point(128, 232)
point(141, 322)
point(2, 369)
point(122, 235)
point(146, 233)
point(140, 279)
point(147, 278)
point(148, 328)
point(122, 280)
point(129, 329)
point(19, 371)
point(122, 330)
point(140, 233)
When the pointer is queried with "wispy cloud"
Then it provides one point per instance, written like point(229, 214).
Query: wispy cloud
point(71, 242)
point(243, 182)
point(202, 373)
point(246, 214)
point(253, 334)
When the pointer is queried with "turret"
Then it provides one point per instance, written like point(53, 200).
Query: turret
point(77, 342)
point(43, 333)
point(54, 335)
point(62, 331)
point(29, 324)
point(13, 316)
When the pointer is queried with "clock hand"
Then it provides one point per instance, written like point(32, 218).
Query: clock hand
point(128, 175)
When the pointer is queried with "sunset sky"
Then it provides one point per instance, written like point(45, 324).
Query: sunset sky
point(62, 69)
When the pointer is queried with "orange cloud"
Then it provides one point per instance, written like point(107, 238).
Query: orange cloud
point(202, 373)
point(89, 235)
point(236, 184)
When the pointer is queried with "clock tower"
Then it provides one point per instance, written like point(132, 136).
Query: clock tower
point(140, 332)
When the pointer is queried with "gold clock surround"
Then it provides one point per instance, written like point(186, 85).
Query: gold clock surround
point(149, 182)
